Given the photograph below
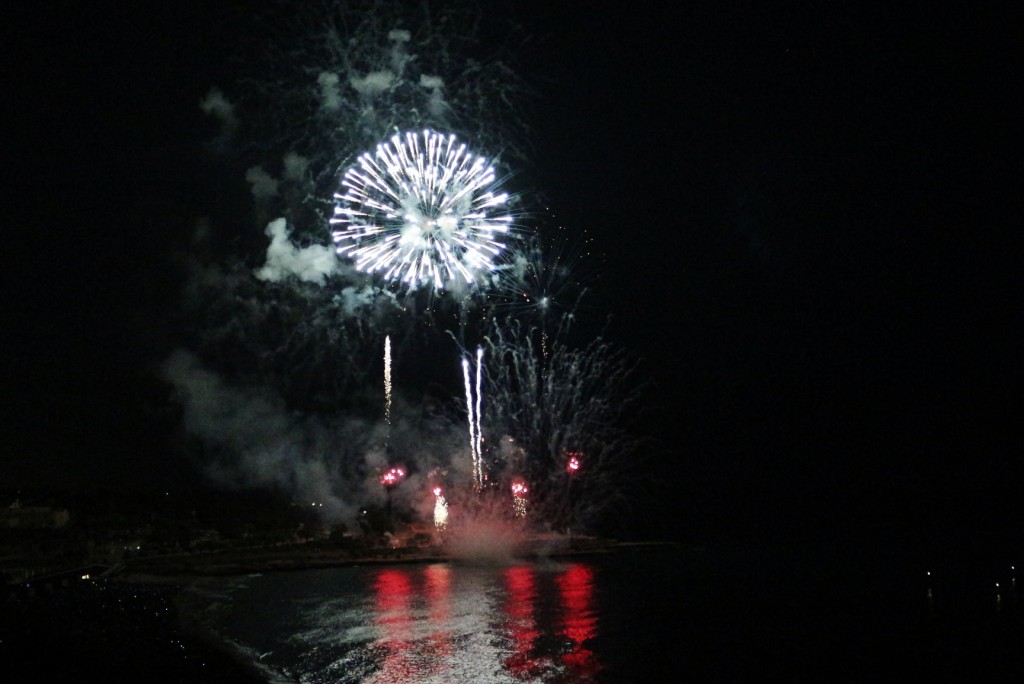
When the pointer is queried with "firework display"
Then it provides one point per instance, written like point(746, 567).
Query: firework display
point(383, 136)
point(422, 210)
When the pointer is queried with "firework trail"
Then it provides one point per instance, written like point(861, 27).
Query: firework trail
point(387, 379)
point(423, 211)
point(387, 391)
point(473, 415)
point(479, 449)
point(469, 416)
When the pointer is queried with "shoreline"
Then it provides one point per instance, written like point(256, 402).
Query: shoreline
point(195, 630)
point(183, 570)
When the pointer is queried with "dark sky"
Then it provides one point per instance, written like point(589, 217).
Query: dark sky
point(809, 221)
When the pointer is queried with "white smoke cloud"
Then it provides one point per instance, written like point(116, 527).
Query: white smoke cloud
point(215, 104)
point(355, 300)
point(399, 56)
point(258, 443)
point(330, 95)
point(437, 105)
point(374, 83)
point(295, 166)
point(433, 82)
point(399, 36)
point(263, 184)
point(253, 440)
point(311, 264)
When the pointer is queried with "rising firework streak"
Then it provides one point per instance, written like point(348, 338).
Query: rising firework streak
point(473, 416)
point(387, 379)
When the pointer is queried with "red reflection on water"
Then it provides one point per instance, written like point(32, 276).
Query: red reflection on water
point(520, 623)
point(437, 585)
point(404, 612)
point(437, 579)
point(394, 623)
point(394, 588)
point(579, 622)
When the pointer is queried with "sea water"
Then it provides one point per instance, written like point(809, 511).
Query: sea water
point(643, 616)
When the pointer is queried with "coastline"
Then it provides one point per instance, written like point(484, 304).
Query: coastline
point(185, 569)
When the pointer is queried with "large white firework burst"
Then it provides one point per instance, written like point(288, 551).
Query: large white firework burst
point(424, 211)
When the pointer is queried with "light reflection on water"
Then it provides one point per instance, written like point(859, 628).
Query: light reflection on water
point(728, 614)
point(436, 622)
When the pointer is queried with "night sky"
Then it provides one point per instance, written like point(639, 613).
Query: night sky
point(806, 222)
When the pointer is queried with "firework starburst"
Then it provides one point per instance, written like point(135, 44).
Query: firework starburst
point(543, 278)
point(423, 211)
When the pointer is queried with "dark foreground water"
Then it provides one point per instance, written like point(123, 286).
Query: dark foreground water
point(740, 613)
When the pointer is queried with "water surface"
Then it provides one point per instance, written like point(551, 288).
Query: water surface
point(730, 613)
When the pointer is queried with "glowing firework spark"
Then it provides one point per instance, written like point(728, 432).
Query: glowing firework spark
point(572, 466)
point(440, 510)
point(392, 477)
point(421, 210)
point(519, 491)
point(544, 277)
point(473, 415)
